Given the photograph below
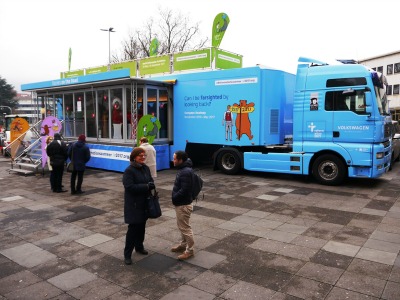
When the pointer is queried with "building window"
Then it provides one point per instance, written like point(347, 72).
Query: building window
point(389, 69)
point(397, 68)
point(380, 69)
point(389, 90)
point(396, 89)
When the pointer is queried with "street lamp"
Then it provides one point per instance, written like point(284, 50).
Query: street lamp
point(109, 44)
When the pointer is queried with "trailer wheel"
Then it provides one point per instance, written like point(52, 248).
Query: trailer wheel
point(229, 162)
point(329, 170)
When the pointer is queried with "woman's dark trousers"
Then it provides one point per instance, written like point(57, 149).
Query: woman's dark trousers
point(134, 238)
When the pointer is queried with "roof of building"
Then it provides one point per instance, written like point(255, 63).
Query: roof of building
point(380, 56)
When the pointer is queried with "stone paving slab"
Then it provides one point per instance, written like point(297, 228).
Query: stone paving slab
point(28, 255)
point(72, 279)
point(257, 236)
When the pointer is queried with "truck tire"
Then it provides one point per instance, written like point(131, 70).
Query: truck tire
point(229, 162)
point(328, 169)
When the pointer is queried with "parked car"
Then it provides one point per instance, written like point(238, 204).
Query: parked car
point(395, 143)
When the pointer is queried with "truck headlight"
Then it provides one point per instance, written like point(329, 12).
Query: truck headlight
point(379, 155)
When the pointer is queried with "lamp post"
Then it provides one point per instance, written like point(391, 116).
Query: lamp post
point(111, 29)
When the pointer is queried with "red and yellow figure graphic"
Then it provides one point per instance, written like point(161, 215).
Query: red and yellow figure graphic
point(243, 123)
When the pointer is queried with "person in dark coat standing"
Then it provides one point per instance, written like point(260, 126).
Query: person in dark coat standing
point(79, 154)
point(49, 139)
point(182, 200)
point(58, 152)
point(137, 183)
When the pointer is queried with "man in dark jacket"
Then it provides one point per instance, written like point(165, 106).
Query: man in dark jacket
point(182, 200)
point(79, 154)
point(57, 151)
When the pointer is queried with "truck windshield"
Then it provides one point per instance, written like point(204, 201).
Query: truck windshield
point(380, 84)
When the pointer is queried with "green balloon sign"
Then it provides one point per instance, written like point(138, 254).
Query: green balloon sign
point(148, 126)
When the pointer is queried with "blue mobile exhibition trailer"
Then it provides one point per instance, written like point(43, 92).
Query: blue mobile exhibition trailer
point(109, 108)
point(329, 121)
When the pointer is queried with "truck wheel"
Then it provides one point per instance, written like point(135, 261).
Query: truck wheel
point(329, 170)
point(229, 162)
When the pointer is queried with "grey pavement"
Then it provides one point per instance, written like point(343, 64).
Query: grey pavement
point(258, 236)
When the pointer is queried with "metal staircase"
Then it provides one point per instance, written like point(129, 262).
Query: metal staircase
point(28, 159)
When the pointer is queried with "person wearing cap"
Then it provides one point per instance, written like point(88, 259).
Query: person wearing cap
point(57, 151)
point(79, 154)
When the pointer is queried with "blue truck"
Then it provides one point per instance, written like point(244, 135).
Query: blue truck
point(328, 121)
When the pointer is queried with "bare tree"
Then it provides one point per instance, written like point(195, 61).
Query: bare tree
point(174, 33)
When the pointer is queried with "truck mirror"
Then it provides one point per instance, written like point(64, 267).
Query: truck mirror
point(368, 103)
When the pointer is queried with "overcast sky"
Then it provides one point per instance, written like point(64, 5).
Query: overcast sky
point(35, 35)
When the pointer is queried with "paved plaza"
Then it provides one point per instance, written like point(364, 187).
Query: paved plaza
point(258, 236)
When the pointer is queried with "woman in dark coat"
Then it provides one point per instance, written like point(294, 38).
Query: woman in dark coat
point(138, 183)
point(58, 152)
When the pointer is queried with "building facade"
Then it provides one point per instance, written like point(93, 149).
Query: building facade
point(389, 65)
point(27, 108)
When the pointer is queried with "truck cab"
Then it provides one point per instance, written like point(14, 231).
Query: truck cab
point(342, 121)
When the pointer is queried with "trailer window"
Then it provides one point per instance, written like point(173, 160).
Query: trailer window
point(336, 101)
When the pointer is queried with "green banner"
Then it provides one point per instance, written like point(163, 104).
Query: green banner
point(220, 25)
point(74, 73)
point(131, 65)
point(192, 60)
point(154, 65)
point(227, 60)
point(69, 59)
point(96, 70)
point(153, 51)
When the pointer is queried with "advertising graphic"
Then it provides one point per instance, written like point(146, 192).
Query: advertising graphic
point(243, 123)
point(220, 25)
point(18, 129)
point(154, 65)
point(190, 60)
point(148, 126)
point(69, 59)
point(131, 65)
point(314, 101)
point(227, 60)
point(50, 126)
point(153, 51)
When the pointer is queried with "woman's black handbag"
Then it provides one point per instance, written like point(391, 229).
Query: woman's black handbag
point(153, 205)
